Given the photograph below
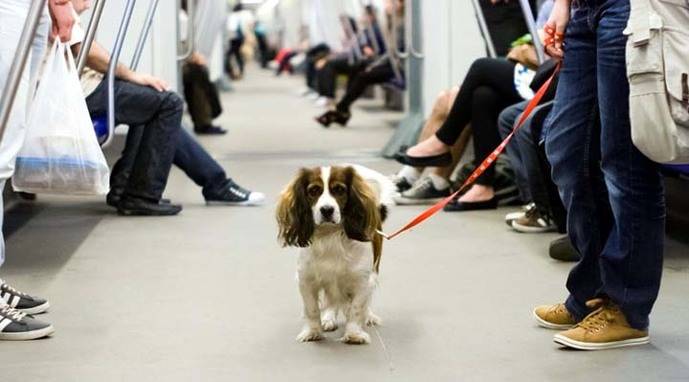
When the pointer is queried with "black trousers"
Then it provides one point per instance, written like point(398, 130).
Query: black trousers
point(160, 115)
point(235, 52)
point(487, 89)
point(373, 75)
point(314, 54)
point(338, 65)
point(201, 95)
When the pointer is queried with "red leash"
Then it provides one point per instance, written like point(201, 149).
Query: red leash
point(535, 101)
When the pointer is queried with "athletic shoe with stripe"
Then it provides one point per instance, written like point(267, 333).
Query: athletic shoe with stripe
point(22, 301)
point(16, 325)
point(235, 195)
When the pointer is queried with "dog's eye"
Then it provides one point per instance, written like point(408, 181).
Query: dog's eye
point(338, 189)
point(314, 190)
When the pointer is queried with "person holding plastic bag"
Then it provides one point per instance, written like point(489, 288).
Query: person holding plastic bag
point(61, 153)
point(613, 193)
point(140, 100)
point(15, 324)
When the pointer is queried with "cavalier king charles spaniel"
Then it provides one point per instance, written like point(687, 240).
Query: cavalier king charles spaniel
point(333, 214)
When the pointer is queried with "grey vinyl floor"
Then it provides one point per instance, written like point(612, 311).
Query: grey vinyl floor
point(210, 295)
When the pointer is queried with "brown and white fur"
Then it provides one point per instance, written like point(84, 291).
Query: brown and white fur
point(333, 213)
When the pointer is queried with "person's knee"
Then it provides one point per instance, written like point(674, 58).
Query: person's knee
point(440, 107)
point(172, 103)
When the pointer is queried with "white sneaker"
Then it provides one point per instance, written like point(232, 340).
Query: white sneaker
point(512, 216)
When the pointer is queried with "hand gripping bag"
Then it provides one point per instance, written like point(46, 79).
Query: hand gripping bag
point(61, 154)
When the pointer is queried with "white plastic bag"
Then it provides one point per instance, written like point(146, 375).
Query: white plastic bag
point(61, 154)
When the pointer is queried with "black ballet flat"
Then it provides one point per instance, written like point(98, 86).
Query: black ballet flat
point(440, 160)
point(334, 116)
point(457, 206)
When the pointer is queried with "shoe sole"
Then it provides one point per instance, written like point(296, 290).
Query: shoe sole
point(548, 325)
point(526, 229)
point(37, 309)
point(146, 213)
point(28, 336)
point(235, 204)
point(570, 343)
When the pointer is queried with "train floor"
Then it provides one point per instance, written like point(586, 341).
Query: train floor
point(210, 295)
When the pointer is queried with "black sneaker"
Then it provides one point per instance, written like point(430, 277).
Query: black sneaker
point(235, 195)
point(401, 183)
point(16, 325)
point(129, 206)
point(22, 301)
point(423, 192)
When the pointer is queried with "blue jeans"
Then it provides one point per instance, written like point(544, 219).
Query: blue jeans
point(613, 194)
point(160, 116)
point(190, 157)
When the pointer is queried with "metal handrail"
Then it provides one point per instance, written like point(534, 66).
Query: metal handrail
point(416, 53)
point(533, 29)
point(138, 52)
point(112, 67)
point(191, 31)
point(484, 29)
point(82, 57)
point(14, 77)
point(393, 38)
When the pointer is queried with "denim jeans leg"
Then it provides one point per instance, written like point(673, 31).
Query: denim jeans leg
point(119, 175)
point(631, 262)
point(573, 150)
point(195, 161)
point(506, 121)
point(161, 114)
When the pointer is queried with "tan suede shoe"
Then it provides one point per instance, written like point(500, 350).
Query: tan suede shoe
point(605, 328)
point(554, 317)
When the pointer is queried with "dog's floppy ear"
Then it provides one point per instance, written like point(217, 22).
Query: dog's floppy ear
point(294, 216)
point(361, 217)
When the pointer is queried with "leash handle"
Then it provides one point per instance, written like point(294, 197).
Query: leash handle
point(489, 161)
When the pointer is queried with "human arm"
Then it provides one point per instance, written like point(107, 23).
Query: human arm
point(62, 17)
point(98, 59)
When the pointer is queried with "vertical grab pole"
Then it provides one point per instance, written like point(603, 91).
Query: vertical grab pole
point(414, 32)
point(144, 34)
point(90, 35)
point(19, 63)
point(112, 67)
point(531, 23)
point(484, 28)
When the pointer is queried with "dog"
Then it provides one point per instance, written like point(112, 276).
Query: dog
point(333, 214)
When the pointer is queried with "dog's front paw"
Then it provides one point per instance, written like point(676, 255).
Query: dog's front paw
point(356, 338)
point(329, 325)
point(373, 320)
point(309, 335)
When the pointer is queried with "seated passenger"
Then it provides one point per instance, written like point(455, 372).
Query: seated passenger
point(201, 96)
point(379, 72)
point(140, 100)
point(490, 86)
point(363, 49)
point(144, 104)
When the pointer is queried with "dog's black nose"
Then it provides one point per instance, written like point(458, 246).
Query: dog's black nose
point(327, 211)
